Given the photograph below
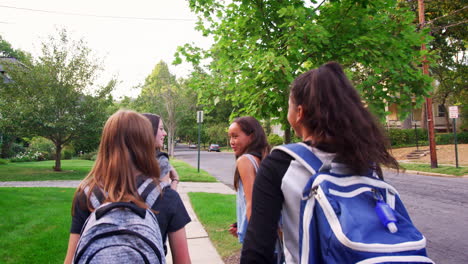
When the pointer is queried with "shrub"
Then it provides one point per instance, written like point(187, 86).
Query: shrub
point(89, 156)
point(29, 156)
point(67, 152)
point(443, 139)
point(42, 145)
point(16, 149)
point(400, 137)
point(4, 161)
point(274, 140)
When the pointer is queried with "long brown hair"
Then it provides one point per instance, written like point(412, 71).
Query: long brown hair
point(154, 119)
point(127, 143)
point(259, 144)
point(334, 114)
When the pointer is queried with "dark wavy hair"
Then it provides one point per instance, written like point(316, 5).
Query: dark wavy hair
point(259, 144)
point(334, 114)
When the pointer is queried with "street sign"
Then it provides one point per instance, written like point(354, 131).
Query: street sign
point(199, 116)
point(453, 111)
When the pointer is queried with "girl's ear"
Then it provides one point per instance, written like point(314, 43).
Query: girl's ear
point(299, 114)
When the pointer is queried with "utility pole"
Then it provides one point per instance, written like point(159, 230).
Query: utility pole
point(429, 115)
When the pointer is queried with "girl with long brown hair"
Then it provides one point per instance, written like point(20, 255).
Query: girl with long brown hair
point(248, 140)
point(122, 164)
point(169, 174)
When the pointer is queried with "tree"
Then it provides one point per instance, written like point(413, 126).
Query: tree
point(261, 46)
point(51, 96)
point(163, 94)
point(9, 131)
point(7, 51)
point(447, 23)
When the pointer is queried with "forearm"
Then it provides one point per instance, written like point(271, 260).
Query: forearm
point(174, 176)
point(179, 247)
point(72, 243)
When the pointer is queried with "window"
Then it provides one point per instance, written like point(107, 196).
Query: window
point(441, 111)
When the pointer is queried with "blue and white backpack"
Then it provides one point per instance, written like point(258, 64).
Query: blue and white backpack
point(353, 219)
point(122, 232)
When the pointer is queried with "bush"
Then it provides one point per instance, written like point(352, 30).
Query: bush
point(16, 149)
point(29, 156)
point(42, 145)
point(68, 152)
point(274, 140)
point(443, 139)
point(4, 161)
point(89, 156)
point(399, 137)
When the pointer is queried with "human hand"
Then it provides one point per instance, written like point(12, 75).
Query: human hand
point(233, 229)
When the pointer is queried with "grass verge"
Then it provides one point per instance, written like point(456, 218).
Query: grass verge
point(450, 170)
point(78, 169)
point(216, 212)
point(188, 173)
point(35, 224)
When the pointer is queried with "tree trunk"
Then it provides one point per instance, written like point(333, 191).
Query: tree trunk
point(287, 134)
point(6, 145)
point(58, 155)
point(268, 126)
point(170, 143)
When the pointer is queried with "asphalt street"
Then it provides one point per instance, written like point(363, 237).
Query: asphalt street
point(222, 165)
point(437, 205)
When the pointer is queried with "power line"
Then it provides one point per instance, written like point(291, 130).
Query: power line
point(97, 16)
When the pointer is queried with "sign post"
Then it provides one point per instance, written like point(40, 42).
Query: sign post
point(453, 113)
point(199, 121)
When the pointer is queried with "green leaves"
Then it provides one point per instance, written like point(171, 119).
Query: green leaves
point(261, 46)
point(51, 94)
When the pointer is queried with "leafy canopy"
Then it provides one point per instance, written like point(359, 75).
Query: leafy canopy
point(261, 46)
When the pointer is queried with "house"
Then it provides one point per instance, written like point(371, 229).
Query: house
point(3, 73)
point(414, 119)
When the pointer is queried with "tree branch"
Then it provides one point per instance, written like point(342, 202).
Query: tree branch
point(449, 14)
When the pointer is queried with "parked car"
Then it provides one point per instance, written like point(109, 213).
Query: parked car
point(214, 147)
point(193, 146)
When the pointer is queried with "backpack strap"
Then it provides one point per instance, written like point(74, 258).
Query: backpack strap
point(252, 160)
point(96, 196)
point(304, 155)
point(149, 192)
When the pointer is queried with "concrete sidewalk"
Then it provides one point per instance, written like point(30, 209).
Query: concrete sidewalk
point(200, 247)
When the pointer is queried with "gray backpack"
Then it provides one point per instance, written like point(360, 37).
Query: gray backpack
point(122, 232)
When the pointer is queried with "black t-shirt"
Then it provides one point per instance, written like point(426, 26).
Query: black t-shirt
point(171, 215)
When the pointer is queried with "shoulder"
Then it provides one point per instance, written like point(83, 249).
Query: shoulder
point(278, 155)
point(245, 161)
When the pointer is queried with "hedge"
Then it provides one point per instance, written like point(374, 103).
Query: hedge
point(407, 137)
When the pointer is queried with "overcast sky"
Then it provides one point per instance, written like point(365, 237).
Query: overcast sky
point(131, 36)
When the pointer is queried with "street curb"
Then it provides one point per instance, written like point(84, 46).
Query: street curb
point(427, 173)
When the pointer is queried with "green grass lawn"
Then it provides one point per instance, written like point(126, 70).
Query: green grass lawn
point(451, 170)
point(42, 170)
point(35, 224)
point(78, 169)
point(216, 212)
